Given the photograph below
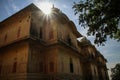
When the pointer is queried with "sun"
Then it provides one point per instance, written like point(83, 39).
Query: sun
point(45, 7)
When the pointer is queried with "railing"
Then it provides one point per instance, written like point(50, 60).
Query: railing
point(38, 39)
point(67, 44)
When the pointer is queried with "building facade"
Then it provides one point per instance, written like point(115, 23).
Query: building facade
point(35, 46)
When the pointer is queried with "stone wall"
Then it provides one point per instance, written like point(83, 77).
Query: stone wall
point(14, 61)
point(15, 28)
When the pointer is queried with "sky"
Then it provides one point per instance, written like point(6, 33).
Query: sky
point(111, 50)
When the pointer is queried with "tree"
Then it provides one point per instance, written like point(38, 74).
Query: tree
point(116, 72)
point(101, 17)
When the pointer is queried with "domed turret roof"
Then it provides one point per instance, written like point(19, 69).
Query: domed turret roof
point(63, 19)
point(56, 10)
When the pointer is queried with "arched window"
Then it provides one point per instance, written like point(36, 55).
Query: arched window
point(18, 32)
point(51, 36)
point(60, 35)
point(14, 67)
point(33, 30)
point(69, 40)
point(41, 67)
point(71, 66)
point(5, 38)
point(62, 65)
point(40, 35)
point(0, 69)
point(51, 66)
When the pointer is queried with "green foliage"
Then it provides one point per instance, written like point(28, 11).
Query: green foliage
point(101, 17)
point(116, 72)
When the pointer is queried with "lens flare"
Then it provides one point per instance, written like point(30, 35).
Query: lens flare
point(45, 7)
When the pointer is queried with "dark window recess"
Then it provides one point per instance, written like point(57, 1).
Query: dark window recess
point(20, 21)
point(18, 32)
point(51, 67)
point(5, 38)
point(51, 35)
point(94, 71)
point(14, 67)
point(40, 33)
point(89, 77)
point(60, 35)
point(69, 41)
point(29, 17)
point(45, 68)
point(41, 67)
point(27, 20)
point(71, 66)
point(62, 66)
point(33, 30)
point(0, 69)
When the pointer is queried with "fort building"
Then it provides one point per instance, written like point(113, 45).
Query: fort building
point(35, 46)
